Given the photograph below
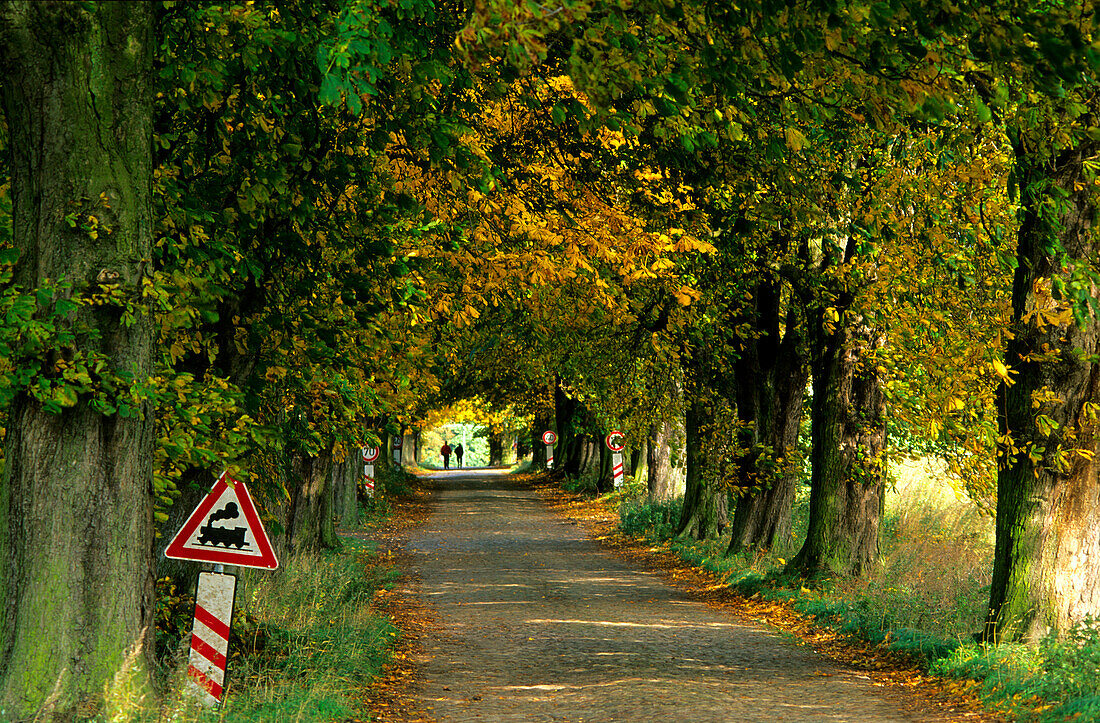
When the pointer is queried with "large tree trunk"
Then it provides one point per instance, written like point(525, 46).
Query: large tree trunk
point(639, 457)
point(604, 481)
point(496, 449)
point(567, 413)
point(1046, 571)
point(705, 510)
point(345, 479)
point(540, 422)
point(583, 461)
point(666, 448)
point(76, 585)
point(310, 518)
point(771, 378)
point(847, 476)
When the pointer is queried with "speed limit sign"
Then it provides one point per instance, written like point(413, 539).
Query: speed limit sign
point(370, 454)
point(549, 437)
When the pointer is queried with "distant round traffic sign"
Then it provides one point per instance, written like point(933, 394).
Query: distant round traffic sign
point(397, 442)
point(370, 454)
point(614, 441)
point(549, 437)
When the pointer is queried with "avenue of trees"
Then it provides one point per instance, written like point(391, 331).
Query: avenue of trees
point(256, 236)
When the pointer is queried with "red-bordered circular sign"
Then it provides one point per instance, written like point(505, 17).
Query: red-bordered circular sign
point(549, 437)
point(397, 442)
point(614, 441)
point(370, 454)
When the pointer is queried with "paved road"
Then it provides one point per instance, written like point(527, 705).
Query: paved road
point(540, 624)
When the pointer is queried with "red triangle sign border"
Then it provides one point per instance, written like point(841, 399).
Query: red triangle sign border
point(265, 558)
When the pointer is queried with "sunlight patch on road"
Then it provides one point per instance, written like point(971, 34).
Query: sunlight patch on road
point(669, 624)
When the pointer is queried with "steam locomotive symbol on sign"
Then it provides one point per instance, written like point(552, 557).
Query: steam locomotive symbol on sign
point(211, 536)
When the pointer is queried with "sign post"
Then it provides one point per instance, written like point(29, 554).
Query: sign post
point(548, 438)
point(224, 529)
point(614, 442)
point(370, 454)
point(210, 637)
point(398, 441)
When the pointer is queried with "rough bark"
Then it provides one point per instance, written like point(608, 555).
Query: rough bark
point(848, 432)
point(705, 510)
point(540, 422)
point(566, 412)
point(408, 449)
point(639, 456)
point(1046, 573)
point(345, 478)
point(310, 525)
point(665, 458)
point(582, 458)
point(604, 481)
point(496, 449)
point(76, 497)
point(771, 378)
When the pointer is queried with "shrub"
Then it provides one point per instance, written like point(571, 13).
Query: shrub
point(656, 520)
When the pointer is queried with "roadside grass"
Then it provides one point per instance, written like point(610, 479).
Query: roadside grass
point(926, 600)
point(306, 642)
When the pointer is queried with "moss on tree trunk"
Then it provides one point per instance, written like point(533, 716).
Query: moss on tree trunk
point(1046, 573)
point(705, 512)
point(847, 475)
point(76, 496)
point(310, 524)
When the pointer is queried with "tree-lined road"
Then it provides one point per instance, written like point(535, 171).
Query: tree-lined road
point(538, 623)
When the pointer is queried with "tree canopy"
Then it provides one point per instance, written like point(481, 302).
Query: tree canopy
point(814, 238)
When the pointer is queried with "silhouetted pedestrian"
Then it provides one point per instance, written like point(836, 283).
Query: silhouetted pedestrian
point(458, 453)
point(445, 450)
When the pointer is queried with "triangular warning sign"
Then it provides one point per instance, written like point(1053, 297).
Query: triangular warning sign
point(224, 529)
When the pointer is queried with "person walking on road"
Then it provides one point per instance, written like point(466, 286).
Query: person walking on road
point(458, 453)
point(445, 451)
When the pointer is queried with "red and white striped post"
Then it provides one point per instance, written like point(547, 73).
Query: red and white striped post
point(614, 442)
point(398, 443)
point(548, 438)
point(210, 636)
point(370, 454)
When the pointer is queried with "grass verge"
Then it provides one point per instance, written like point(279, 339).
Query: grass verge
point(308, 642)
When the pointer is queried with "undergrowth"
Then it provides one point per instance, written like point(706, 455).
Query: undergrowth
point(311, 642)
point(305, 643)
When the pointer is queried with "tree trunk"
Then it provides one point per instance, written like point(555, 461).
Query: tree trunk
point(771, 378)
point(705, 509)
point(847, 477)
point(582, 460)
point(496, 449)
point(639, 457)
point(76, 525)
point(310, 525)
point(1046, 571)
point(566, 412)
point(604, 482)
point(345, 479)
point(540, 422)
point(408, 449)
